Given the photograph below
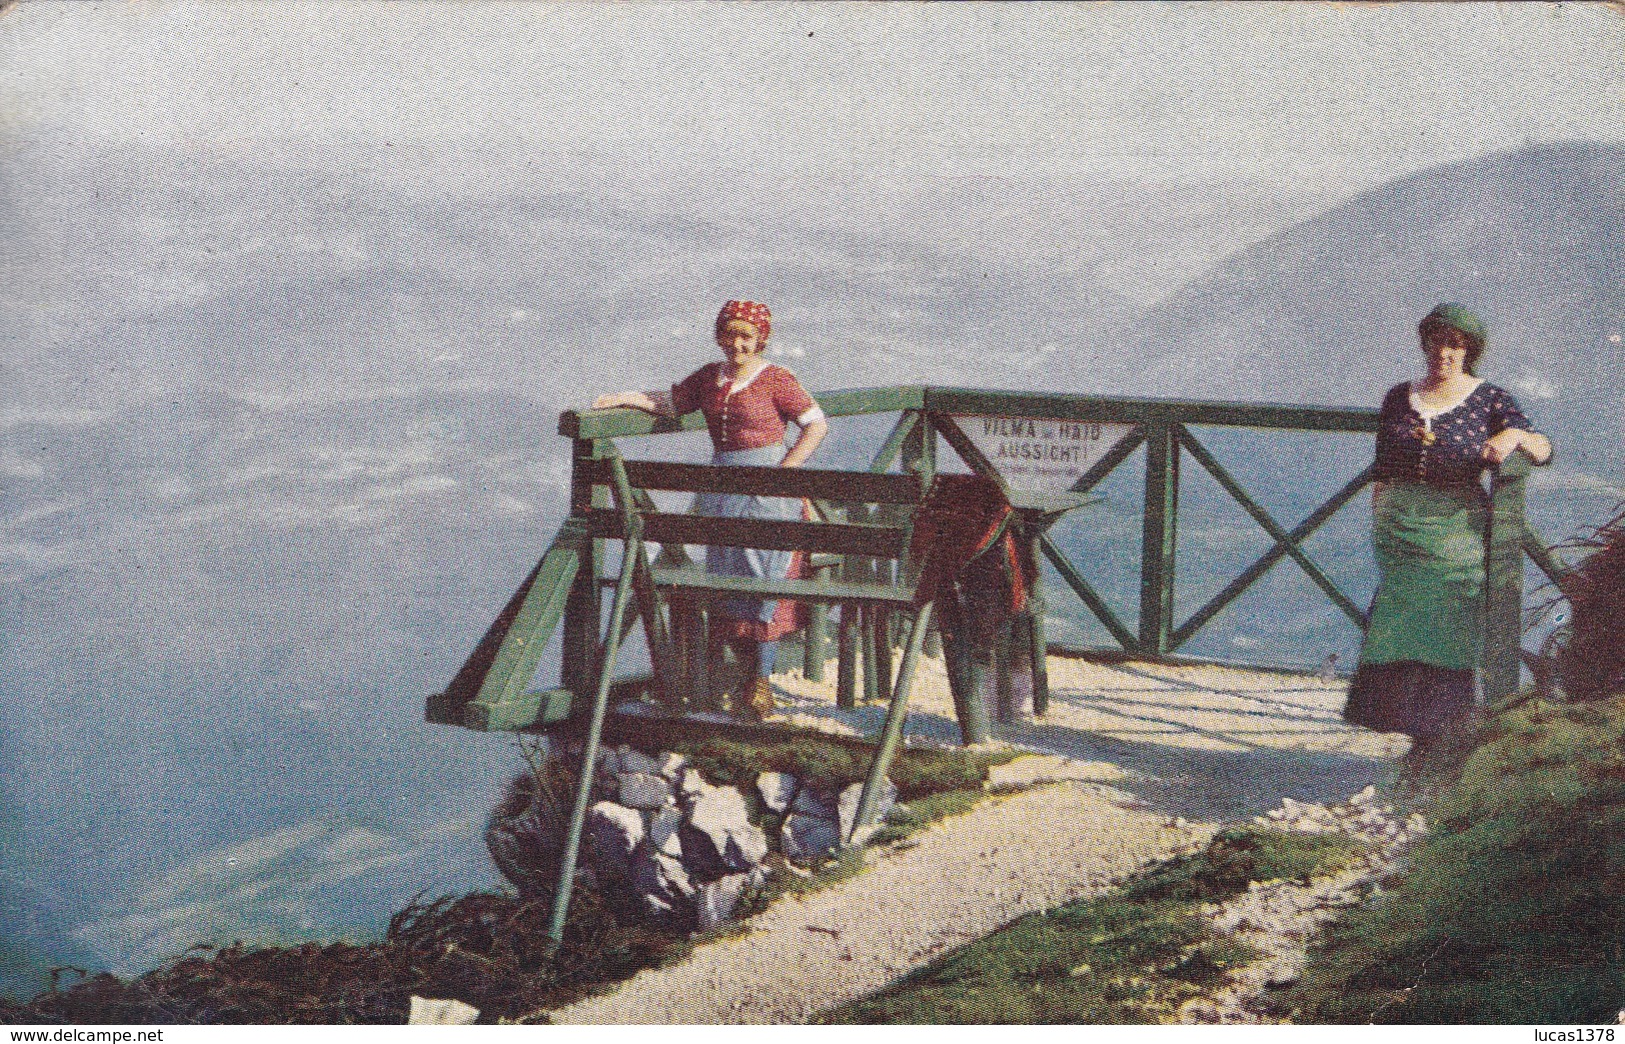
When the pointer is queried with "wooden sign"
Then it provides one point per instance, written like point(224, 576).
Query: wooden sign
point(1041, 455)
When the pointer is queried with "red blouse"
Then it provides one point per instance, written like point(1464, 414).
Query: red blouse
point(750, 415)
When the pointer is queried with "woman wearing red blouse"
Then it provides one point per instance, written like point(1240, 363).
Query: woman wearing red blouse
point(748, 404)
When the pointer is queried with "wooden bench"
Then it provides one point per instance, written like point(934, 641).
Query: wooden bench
point(635, 521)
point(857, 554)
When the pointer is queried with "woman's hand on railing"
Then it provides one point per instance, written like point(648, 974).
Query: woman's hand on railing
point(634, 400)
point(1504, 444)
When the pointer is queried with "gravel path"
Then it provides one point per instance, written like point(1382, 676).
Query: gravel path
point(965, 877)
point(1208, 743)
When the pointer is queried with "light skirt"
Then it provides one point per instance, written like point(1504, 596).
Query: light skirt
point(747, 561)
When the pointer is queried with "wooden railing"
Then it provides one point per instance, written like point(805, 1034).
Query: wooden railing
point(567, 587)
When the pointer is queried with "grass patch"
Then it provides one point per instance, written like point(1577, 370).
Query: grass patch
point(848, 863)
point(1513, 909)
point(1131, 957)
point(923, 811)
point(917, 771)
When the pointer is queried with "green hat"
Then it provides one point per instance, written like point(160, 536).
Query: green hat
point(1457, 317)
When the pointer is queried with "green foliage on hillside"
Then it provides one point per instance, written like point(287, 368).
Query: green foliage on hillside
point(1130, 957)
point(1513, 909)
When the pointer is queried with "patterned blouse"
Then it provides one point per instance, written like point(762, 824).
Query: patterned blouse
point(750, 415)
point(1443, 448)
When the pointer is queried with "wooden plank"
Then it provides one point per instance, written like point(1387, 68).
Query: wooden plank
point(1109, 463)
point(533, 710)
point(614, 424)
point(648, 601)
point(610, 424)
point(1038, 650)
point(583, 612)
point(815, 645)
point(605, 424)
point(892, 448)
point(814, 483)
point(589, 753)
point(1503, 580)
point(502, 664)
point(846, 663)
point(891, 733)
point(845, 538)
point(853, 401)
point(1155, 412)
point(1539, 552)
point(919, 453)
point(713, 587)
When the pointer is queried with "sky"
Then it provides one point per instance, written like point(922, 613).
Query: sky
point(660, 96)
point(1133, 145)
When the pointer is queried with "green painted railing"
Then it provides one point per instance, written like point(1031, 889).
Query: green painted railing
point(567, 587)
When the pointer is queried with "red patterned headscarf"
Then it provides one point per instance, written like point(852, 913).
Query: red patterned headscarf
point(748, 311)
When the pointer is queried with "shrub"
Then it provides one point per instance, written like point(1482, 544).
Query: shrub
point(1593, 663)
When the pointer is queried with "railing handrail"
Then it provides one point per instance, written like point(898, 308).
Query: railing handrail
point(621, 423)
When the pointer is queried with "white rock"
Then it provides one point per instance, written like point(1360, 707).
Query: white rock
point(812, 802)
point(637, 761)
point(644, 790)
point(661, 876)
point(614, 832)
point(690, 783)
point(441, 1012)
point(717, 900)
point(808, 837)
point(777, 789)
point(718, 837)
point(663, 826)
point(847, 805)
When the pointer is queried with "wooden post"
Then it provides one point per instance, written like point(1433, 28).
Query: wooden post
point(1158, 539)
point(891, 733)
point(1038, 645)
point(846, 667)
point(815, 649)
point(1503, 579)
point(1004, 680)
point(583, 610)
point(872, 692)
point(589, 751)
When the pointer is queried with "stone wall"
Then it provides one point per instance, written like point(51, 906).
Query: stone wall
point(682, 850)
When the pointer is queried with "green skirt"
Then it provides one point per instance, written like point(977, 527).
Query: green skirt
point(1429, 606)
point(1424, 638)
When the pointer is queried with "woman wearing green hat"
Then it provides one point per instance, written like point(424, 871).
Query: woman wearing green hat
point(1436, 436)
